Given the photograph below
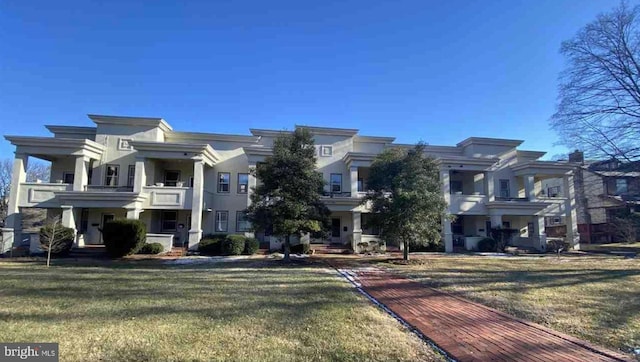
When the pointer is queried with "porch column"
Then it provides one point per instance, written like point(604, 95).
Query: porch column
point(195, 233)
point(542, 234)
point(140, 176)
point(573, 238)
point(447, 235)
point(133, 214)
point(353, 172)
point(68, 220)
point(446, 186)
point(252, 182)
point(490, 186)
point(357, 229)
point(80, 175)
point(12, 234)
point(529, 187)
point(496, 221)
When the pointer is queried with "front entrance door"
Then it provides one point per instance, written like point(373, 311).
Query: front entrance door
point(335, 231)
point(105, 219)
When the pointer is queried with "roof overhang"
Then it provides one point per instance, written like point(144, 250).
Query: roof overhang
point(358, 159)
point(329, 131)
point(466, 163)
point(208, 137)
point(131, 121)
point(176, 151)
point(88, 132)
point(50, 148)
point(543, 168)
point(490, 142)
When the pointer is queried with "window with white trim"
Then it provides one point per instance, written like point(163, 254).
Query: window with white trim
point(169, 220)
point(111, 175)
point(243, 183)
point(224, 179)
point(242, 222)
point(171, 178)
point(131, 176)
point(222, 221)
point(336, 182)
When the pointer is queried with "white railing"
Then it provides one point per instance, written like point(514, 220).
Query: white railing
point(468, 204)
point(34, 194)
point(167, 197)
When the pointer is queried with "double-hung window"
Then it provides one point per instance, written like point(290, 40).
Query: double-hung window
point(169, 220)
point(111, 175)
point(243, 183)
point(223, 181)
point(171, 178)
point(242, 222)
point(222, 221)
point(336, 183)
point(131, 176)
point(505, 188)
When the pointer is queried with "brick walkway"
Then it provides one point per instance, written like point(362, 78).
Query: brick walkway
point(469, 331)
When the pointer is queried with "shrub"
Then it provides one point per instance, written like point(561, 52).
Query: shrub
point(151, 248)
point(62, 240)
point(299, 249)
point(251, 246)
point(557, 245)
point(487, 244)
point(233, 245)
point(123, 237)
point(211, 244)
point(428, 247)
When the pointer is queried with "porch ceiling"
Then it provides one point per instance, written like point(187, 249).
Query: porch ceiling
point(176, 151)
point(51, 148)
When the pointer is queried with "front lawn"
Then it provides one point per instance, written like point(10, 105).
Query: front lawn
point(251, 310)
point(596, 298)
point(613, 247)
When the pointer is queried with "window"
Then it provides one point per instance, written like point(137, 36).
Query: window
point(553, 191)
point(456, 186)
point(242, 223)
point(223, 181)
point(111, 176)
point(360, 185)
point(84, 221)
point(67, 177)
point(621, 186)
point(368, 228)
point(504, 188)
point(222, 220)
point(131, 176)
point(169, 220)
point(243, 183)
point(326, 151)
point(336, 182)
point(171, 178)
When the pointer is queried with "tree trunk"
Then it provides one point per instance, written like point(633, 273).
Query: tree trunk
point(287, 248)
point(406, 250)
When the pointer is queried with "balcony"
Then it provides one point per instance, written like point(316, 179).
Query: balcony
point(168, 197)
point(468, 204)
point(96, 188)
point(34, 194)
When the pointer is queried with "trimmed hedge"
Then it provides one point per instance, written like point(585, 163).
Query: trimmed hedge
point(487, 245)
point(299, 249)
point(123, 237)
point(151, 248)
point(233, 245)
point(251, 246)
point(211, 244)
point(62, 240)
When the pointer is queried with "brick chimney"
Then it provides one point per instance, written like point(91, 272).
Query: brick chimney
point(576, 156)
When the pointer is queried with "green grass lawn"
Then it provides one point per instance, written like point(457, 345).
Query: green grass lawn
point(595, 298)
point(624, 247)
point(147, 311)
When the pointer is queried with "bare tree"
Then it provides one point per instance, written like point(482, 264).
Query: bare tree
point(599, 100)
point(35, 171)
point(56, 239)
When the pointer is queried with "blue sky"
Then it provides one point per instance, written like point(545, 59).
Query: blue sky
point(437, 71)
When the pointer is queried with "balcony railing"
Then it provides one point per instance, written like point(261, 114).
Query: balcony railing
point(168, 197)
point(468, 204)
point(41, 194)
point(336, 194)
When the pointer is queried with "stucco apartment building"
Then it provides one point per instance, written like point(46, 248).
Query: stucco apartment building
point(187, 184)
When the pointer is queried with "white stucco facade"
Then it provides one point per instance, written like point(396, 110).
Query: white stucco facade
point(190, 184)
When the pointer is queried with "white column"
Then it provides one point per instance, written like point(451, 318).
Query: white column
point(529, 187)
point(252, 182)
point(140, 176)
point(542, 234)
point(447, 235)
point(69, 220)
point(571, 212)
point(195, 233)
point(133, 214)
point(357, 229)
point(80, 176)
point(353, 173)
point(445, 182)
point(490, 186)
point(12, 234)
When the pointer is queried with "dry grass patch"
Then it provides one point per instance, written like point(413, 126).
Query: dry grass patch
point(596, 298)
point(241, 311)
